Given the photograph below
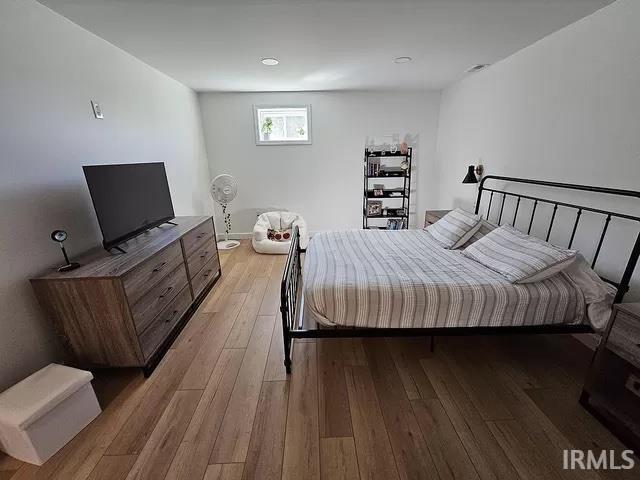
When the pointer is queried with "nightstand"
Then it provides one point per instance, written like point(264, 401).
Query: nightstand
point(432, 216)
point(612, 389)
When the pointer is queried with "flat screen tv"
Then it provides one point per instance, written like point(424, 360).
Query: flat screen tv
point(128, 199)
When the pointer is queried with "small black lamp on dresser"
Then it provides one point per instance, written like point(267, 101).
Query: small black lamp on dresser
point(612, 389)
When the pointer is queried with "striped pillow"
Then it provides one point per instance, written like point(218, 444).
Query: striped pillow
point(519, 257)
point(455, 228)
point(484, 228)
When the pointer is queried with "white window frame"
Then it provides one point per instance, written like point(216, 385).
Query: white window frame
point(256, 127)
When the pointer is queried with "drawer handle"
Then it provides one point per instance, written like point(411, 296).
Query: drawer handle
point(166, 291)
point(633, 384)
point(204, 255)
point(207, 273)
point(159, 267)
point(173, 314)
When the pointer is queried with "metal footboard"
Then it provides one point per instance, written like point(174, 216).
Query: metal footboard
point(289, 294)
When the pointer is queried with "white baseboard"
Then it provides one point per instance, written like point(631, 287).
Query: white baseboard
point(234, 236)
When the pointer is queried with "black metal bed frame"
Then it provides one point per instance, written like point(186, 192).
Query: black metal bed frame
point(291, 294)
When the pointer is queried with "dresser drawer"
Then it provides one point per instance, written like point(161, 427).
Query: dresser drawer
point(201, 256)
point(617, 386)
point(145, 276)
point(196, 237)
point(164, 323)
point(624, 338)
point(158, 297)
point(205, 276)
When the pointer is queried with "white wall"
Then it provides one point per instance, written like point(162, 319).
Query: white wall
point(566, 108)
point(322, 181)
point(51, 69)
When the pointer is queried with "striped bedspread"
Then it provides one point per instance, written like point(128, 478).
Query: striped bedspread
point(382, 279)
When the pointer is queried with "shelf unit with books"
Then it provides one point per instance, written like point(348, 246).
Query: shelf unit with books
point(396, 175)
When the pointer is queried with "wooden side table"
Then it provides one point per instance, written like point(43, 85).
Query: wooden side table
point(612, 389)
point(432, 216)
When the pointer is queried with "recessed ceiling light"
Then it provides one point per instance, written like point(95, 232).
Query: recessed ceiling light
point(403, 59)
point(270, 61)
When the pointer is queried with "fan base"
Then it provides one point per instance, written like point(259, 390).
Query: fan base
point(228, 244)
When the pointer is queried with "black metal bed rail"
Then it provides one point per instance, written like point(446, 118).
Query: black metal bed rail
point(289, 293)
point(623, 284)
point(351, 332)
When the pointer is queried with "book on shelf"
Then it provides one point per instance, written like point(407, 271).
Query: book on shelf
point(395, 224)
point(373, 167)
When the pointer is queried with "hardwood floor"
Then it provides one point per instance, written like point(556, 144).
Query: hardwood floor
point(220, 406)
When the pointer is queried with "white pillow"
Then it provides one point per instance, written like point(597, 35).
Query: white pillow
point(484, 228)
point(520, 258)
point(455, 228)
point(467, 236)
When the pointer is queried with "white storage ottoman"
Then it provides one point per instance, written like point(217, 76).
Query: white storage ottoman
point(40, 414)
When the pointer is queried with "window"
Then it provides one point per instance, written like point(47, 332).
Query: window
point(286, 125)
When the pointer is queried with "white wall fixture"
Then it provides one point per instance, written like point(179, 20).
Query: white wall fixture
point(97, 110)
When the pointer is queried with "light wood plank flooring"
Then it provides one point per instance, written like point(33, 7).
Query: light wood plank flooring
point(220, 406)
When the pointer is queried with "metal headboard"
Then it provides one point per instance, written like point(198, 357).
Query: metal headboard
point(623, 285)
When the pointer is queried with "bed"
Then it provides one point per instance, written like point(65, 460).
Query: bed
point(363, 283)
point(405, 279)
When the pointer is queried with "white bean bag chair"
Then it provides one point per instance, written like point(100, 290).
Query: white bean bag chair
point(278, 221)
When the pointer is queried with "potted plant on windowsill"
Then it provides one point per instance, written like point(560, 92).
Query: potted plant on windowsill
point(267, 128)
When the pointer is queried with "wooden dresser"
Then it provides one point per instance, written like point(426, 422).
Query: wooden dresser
point(612, 389)
point(123, 310)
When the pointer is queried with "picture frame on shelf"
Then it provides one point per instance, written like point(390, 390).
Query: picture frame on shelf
point(374, 207)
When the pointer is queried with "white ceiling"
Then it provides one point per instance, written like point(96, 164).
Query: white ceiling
point(321, 44)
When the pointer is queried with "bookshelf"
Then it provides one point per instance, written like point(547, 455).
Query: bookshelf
point(387, 189)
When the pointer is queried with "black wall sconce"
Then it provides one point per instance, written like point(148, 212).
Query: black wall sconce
point(472, 171)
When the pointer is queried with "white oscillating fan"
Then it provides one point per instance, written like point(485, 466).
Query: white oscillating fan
point(223, 189)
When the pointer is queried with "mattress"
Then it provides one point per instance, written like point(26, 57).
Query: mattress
point(405, 279)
